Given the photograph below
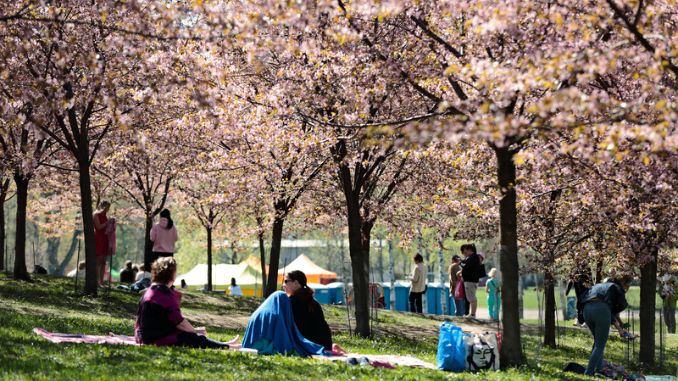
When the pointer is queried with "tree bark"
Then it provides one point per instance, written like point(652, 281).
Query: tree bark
point(648, 287)
point(359, 249)
point(511, 350)
point(52, 252)
point(20, 271)
point(148, 244)
point(209, 258)
point(88, 223)
point(549, 310)
point(262, 258)
point(274, 257)
point(4, 187)
point(61, 269)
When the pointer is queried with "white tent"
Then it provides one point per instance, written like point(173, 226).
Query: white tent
point(221, 275)
point(313, 272)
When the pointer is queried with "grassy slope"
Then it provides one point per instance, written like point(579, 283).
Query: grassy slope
point(50, 303)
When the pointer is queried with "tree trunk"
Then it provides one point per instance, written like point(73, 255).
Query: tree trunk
point(53, 244)
point(262, 258)
point(274, 257)
point(20, 271)
point(61, 269)
point(511, 349)
point(4, 187)
point(148, 244)
point(648, 287)
point(359, 249)
point(85, 180)
point(443, 278)
point(549, 310)
point(209, 259)
point(599, 270)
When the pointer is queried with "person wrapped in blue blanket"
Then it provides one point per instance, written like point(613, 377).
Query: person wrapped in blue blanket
point(290, 323)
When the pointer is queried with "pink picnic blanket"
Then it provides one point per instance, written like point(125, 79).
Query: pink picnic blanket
point(81, 338)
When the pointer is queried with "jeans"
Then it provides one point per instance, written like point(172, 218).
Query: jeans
point(193, 340)
point(598, 318)
point(415, 302)
point(459, 305)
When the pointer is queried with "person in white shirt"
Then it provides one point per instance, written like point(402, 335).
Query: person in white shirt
point(234, 289)
point(142, 274)
point(80, 271)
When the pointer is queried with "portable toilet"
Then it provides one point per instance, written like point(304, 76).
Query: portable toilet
point(402, 291)
point(433, 300)
point(336, 290)
point(322, 294)
point(387, 295)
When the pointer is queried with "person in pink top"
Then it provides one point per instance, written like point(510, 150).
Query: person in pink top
point(164, 236)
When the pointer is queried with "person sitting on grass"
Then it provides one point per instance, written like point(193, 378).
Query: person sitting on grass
point(159, 319)
point(127, 273)
point(308, 315)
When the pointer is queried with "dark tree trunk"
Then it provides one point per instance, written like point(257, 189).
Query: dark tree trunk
point(209, 258)
point(274, 257)
point(359, 249)
point(648, 287)
point(549, 310)
point(85, 180)
point(511, 350)
point(4, 187)
point(53, 244)
point(61, 269)
point(148, 244)
point(20, 271)
point(262, 257)
point(599, 270)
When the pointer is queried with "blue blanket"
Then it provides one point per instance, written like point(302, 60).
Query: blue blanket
point(271, 330)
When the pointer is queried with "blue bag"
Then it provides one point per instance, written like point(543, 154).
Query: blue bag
point(451, 351)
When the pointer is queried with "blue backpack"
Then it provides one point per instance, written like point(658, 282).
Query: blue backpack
point(451, 351)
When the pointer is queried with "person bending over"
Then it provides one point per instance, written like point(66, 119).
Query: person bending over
point(602, 305)
point(308, 315)
point(159, 319)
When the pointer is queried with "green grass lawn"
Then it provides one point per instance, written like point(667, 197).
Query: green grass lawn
point(52, 304)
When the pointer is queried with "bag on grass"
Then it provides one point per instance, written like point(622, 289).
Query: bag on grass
point(459, 292)
point(482, 352)
point(451, 352)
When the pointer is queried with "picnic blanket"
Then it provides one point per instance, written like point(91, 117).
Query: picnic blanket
point(111, 338)
point(397, 360)
point(271, 330)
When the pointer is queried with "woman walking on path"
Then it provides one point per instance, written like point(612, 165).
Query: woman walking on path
point(102, 239)
point(602, 305)
point(493, 300)
point(418, 286)
point(164, 236)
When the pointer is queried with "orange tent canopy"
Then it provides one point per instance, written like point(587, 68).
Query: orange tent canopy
point(314, 273)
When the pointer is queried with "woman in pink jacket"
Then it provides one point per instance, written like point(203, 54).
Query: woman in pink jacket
point(164, 236)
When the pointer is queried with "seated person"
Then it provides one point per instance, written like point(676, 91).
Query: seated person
point(126, 273)
point(80, 271)
point(142, 273)
point(234, 289)
point(159, 319)
point(271, 330)
point(308, 315)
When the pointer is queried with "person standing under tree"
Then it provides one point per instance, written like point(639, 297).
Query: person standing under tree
point(493, 300)
point(101, 239)
point(470, 272)
point(455, 278)
point(668, 290)
point(418, 286)
point(164, 236)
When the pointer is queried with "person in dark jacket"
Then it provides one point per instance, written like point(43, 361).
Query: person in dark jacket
point(308, 315)
point(470, 273)
point(127, 273)
point(602, 305)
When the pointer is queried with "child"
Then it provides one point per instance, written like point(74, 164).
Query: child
point(493, 300)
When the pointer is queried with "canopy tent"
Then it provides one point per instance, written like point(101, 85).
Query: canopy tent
point(246, 276)
point(254, 262)
point(314, 273)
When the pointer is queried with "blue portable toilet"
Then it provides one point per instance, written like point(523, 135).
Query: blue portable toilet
point(433, 300)
point(402, 292)
point(336, 290)
point(387, 296)
point(323, 295)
